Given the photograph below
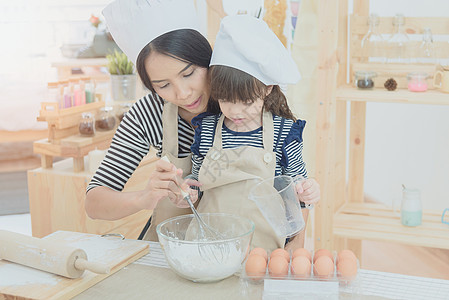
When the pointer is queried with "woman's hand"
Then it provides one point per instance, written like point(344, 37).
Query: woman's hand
point(166, 181)
point(308, 191)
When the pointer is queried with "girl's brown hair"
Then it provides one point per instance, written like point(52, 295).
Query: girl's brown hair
point(232, 85)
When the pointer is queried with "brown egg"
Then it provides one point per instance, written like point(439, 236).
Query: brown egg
point(260, 251)
point(302, 252)
point(347, 267)
point(281, 252)
point(346, 254)
point(301, 267)
point(322, 252)
point(323, 266)
point(278, 267)
point(256, 266)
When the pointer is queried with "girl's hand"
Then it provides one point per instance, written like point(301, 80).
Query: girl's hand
point(186, 186)
point(308, 191)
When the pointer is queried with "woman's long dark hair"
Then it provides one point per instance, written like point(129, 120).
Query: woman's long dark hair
point(187, 45)
point(230, 84)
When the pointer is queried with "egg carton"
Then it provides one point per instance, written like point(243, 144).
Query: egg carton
point(251, 285)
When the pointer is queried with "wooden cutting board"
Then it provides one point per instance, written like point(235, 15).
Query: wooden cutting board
point(21, 282)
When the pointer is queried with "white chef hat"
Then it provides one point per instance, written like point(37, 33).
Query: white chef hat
point(135, 23)
point(248, 44)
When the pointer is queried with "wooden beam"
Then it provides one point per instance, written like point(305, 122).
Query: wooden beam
point(328, 15)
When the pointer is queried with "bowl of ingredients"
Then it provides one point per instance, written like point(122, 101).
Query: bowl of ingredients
point(200, 259)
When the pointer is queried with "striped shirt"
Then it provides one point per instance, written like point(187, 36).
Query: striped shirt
point(140, 129)
point(287, 145)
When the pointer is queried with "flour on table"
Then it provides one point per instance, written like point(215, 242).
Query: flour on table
point(18, 275)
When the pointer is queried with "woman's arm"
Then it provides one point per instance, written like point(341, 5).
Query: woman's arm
point(107, 204)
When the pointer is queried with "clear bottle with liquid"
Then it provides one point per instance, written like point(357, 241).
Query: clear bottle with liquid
point(373, 44)
point(398, 45)
point(426, 51)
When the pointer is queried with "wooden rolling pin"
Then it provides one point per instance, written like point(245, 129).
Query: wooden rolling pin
point(47, 256)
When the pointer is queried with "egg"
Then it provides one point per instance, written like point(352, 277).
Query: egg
point(301, 267)
point(256, 266)
point(346, 254)
point(259, 251)
point(347, 267)
point(323, 266)
point(302, 252)
point(322, 252)
point(278, 267)
point(281, 252)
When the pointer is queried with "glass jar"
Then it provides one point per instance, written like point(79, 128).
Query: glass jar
point(364, 79)
point(426, 51)
point(417, 81)
point(87, 126)
point(122, 110)
point(105, 120)
point(373, 44)
point(399, 43)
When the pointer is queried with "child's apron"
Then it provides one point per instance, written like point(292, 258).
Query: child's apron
point(165, 209)
point(227, 176)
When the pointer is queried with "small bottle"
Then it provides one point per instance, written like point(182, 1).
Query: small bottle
point(72, 82)
point(83, 81)
point(87, 124)
point(373, 43)
point(67, 96)
point(399, 43)
point(105, 120)
point(411, 207)
point(89, 90)
point(62, 84)
point(426, 52)
point(53, 93)
point(77, 95)
point(364, 79)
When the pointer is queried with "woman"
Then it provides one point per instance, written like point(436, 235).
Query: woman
point(172, 59)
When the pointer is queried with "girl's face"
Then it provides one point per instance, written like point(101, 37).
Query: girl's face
point(178, 82)
point(242, 117)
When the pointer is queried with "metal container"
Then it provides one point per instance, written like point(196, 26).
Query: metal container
point(123, 87)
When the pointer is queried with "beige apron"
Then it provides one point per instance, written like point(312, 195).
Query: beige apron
point(227, 175)
point(165, 209)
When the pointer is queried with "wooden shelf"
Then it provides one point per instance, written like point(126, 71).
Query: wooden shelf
point(431, 97)
point(75, 146)
point(381, 223)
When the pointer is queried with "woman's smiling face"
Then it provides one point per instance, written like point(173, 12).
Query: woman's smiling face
point(178, 82)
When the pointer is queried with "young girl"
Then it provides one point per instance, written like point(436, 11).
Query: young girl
point(256, 135)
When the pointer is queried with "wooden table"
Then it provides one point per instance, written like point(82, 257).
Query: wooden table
point(145, 282)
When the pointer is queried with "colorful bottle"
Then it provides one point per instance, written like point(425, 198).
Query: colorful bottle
point(67, 97)
point(77, 95)
point(89, 90)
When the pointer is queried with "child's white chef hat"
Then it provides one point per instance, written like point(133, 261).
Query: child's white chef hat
point(248, 44)
point(135, 23)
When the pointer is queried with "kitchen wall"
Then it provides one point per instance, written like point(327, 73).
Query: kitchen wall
point(408, 144)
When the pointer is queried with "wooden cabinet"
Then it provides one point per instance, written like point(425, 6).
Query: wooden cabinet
point(57, 198)
point(343, 219)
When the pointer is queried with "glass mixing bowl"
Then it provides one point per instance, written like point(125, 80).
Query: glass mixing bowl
point(202, 260)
